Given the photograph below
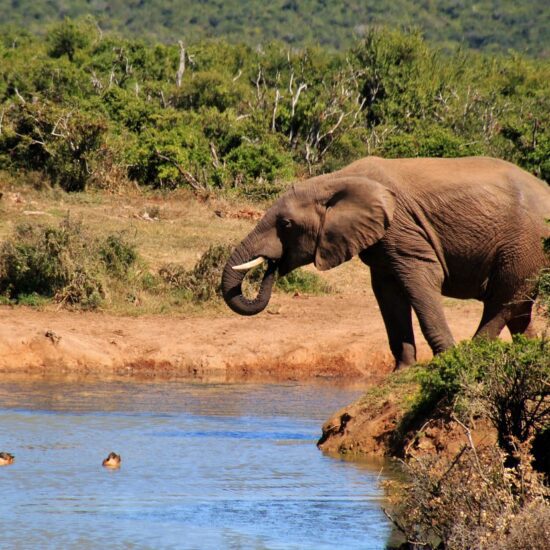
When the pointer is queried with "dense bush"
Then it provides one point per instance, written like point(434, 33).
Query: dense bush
point(59, 141)
point(203, 281)
point(511, 381)
point(303, 282)
point(65, 263)
point(82, 107)
point(473, 500)
point(476, 497)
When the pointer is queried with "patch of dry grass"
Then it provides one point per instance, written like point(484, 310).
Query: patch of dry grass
point(165, 228)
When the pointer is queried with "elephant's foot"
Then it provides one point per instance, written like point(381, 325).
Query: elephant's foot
point(406, 358)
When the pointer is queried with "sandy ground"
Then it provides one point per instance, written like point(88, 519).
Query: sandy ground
point(297, 338)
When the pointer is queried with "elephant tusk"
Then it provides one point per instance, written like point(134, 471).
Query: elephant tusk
point(250, 264)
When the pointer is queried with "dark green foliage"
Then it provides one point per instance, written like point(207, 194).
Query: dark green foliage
point(480, 24)
point(59, 141)
point(210, 89)
point(432, 141)
point(302, 282)
point(246, 120)
point(508, 382)
point(66, 38)
point(65, 263)
point(49, 260)
point(118, 255)
point(470, 362)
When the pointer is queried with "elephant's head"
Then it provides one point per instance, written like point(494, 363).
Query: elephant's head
point(326, 220)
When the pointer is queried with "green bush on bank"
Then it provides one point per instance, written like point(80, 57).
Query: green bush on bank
point(480, 496)
point(509, 382)
point(65, 263)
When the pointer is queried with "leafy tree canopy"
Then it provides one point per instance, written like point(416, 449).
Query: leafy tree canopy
point(85, 107)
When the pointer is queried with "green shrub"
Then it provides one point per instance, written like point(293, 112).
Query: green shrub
point(259, 162)
point(172, 154)
point(210, 89)
point(32, 300)
point(472, 499)
point(118, 255)
point(60, 142)
point(65, 263)
point(506, 382)
point(432, 141)
point(303, 282)
point(40, 259)
point(471, 362)
point(66, 38)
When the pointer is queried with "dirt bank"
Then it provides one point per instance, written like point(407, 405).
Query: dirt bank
point(372, 428)
point(298, 338)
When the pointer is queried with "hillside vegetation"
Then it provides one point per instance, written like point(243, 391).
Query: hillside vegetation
point(82, 108)
point(479, 24)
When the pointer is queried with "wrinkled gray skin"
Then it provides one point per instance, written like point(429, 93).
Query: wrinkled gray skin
point(464, 228)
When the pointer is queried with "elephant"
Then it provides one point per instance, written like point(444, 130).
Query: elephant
point(468, 228)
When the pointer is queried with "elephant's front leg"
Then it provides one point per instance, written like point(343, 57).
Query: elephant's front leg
point(422, 282)
point(396, 312)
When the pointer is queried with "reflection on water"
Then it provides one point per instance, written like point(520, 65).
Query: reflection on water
point(203, 466)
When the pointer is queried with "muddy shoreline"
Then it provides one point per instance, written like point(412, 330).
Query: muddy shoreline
point(300, 338)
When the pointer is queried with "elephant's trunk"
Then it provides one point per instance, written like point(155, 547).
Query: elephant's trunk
point(232, 284)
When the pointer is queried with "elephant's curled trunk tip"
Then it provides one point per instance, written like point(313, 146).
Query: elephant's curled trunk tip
point(233, 275)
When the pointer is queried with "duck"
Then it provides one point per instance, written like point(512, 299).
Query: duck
point(112, 461)
point(6, 459)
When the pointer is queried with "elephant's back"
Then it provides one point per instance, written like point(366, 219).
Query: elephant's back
point(475, 179)
point(534, 193)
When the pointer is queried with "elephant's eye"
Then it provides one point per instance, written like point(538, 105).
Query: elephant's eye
point(284, 223)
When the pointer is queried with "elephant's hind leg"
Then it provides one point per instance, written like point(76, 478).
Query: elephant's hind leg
point(492, 322)
point(516, 315)
point(520, 321)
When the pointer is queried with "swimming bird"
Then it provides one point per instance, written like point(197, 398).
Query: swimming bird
point(112, 461)
point(6, 458)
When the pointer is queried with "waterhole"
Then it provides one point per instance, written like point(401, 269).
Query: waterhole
point(203, 466)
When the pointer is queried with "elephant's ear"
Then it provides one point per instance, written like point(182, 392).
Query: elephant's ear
point(358, 212)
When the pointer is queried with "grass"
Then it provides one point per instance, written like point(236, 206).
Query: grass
point(165, 228)
point(400, 387)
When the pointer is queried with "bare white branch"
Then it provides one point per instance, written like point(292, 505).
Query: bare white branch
point(275, 105)
point(20, 97)
point(181, 67)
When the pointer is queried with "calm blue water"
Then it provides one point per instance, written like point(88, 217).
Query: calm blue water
point(203, 466)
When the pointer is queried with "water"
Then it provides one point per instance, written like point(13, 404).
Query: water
point(203, 466)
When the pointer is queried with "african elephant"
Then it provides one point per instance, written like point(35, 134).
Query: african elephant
point(426, 227)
